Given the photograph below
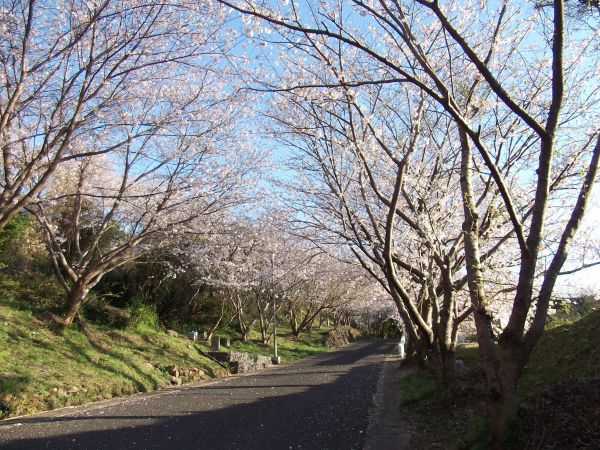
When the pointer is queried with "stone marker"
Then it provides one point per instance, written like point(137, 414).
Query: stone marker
point(193, 335)
point(205, 335)
point(215, 344)
point(227, 342)
point(401, 344)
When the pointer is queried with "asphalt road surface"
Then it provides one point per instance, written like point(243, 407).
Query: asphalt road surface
point(320, 402)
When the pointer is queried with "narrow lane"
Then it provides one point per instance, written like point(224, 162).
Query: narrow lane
point(317, 403)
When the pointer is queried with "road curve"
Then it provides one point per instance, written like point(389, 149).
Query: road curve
point(320, 403)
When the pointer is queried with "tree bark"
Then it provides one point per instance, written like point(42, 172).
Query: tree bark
point(294, 323)
point(501, 398)
point(75, 299)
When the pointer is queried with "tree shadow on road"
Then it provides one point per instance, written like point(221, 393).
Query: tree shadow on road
point(330, 415)
point(343, 357)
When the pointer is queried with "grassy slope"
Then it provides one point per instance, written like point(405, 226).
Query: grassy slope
point(567, 351)
point(287, 349)
point(40, 370)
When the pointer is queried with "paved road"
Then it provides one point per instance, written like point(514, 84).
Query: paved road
point(317, 403)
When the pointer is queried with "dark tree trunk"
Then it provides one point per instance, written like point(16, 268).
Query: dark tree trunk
point(447, 359)
point(245, 336)
point(294, 324)
point(75, 300)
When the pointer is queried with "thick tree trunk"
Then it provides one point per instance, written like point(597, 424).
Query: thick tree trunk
point(434, 364)
point(448, 359)
point(415, 351)
point(294, 324)
point(263, 317)
point(264, 337)
point(76, 297)
point(245, 336)
point(244, 330)
point(244, 327)
point(501, 374)
point(502, 391)
point(442, 365)
point(501, 397)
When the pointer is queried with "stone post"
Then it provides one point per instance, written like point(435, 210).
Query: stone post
point(215, 344)
point(193, 335)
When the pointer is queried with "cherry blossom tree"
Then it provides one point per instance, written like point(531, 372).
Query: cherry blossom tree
point(230, 264)
point(263, 273)
point(320, 285)
point(160, 183)
point(255, 267)
point(106, 211)
point(476, 62)
point(75, 77)
point(135, 122)
point(350, 197)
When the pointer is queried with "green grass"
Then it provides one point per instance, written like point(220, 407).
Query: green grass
point(308, 344)
point(418, 388)
point(468, 354)
point(566, 351)
point(42, 370)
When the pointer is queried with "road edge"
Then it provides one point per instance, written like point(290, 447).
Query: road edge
point(387, 430)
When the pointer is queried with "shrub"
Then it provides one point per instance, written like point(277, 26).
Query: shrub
point(142, 315)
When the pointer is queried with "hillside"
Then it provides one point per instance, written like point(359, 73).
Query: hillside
point(41, 369)
point(560, 396)
point(561, 388)
point(567, 351)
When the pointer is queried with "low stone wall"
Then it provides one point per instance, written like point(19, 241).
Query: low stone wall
point(240, 362)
